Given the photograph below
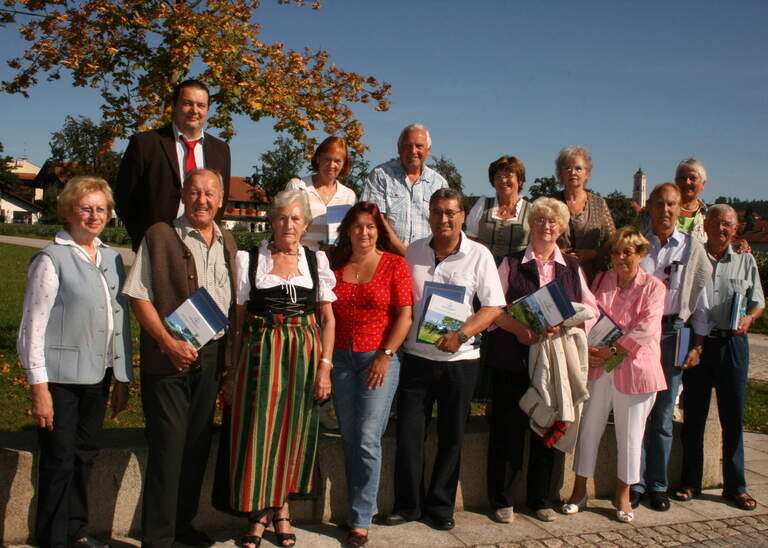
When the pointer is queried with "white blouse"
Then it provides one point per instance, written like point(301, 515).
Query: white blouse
point(42, 289)
point(265, 280)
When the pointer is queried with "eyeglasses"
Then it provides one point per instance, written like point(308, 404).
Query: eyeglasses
point(577, 169)
point(88, 211)
point(450, 213)
point(626, 252)
point(545, 221)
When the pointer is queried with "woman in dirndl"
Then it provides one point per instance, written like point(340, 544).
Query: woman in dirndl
point(284, 295)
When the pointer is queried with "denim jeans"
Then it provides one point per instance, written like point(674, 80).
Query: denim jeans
point(363, 414)
point(657, 442)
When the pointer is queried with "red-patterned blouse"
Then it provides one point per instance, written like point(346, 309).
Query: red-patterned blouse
point(365, 312)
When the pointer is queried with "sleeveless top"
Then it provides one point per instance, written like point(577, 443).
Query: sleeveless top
point(276, 300)
point(504, 236)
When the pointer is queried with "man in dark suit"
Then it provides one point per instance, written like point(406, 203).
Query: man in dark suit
point(154, 164)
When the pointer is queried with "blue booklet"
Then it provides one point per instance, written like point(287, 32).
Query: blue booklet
point(682, 345)
point(197, 319)
point(451, 292)
point(605, 333)
point(548, 305)
point(333, 217)
point(738, 310)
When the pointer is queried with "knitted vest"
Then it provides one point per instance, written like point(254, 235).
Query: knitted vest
point(76, 346)
point(174, 278)
point(504, 351)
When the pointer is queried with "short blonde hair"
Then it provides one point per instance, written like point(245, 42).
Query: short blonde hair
point(286, 197)
point(549, 207)
point(631, 236)
point(79, 186)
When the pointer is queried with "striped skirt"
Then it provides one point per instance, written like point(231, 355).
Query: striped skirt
point(274, 428)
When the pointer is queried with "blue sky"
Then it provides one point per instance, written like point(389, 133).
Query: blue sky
point(641, 84)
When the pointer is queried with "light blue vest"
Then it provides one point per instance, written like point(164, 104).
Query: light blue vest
point(76, 335)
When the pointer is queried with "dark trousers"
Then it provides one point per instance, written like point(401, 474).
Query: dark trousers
point(506, 440)
point(66, 458)
point(178, 412)
point(422, 382)
point(724, 366)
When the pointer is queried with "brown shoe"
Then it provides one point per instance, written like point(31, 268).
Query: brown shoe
point(356, 539)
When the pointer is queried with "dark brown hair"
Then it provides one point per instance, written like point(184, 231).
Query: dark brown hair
point(332, 144)
point(343, 251)
point(507, 163)
point(197, 84)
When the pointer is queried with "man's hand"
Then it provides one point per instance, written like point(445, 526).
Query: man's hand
point(691, 359)
point(42, 406)
point(744, 325)
point(181, 353)
point(119, 399)
point(449, 342)
point(377, 371)
point(525, 335)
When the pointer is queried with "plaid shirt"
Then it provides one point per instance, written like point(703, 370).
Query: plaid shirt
point(405, 205)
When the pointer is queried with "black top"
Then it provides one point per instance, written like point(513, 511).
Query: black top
point(275, 300)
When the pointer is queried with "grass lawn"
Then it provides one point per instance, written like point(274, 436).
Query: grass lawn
point(756, 412)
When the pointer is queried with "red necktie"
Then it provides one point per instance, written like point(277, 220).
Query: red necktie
point(189, 159)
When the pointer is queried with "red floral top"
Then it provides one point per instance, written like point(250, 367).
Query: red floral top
point(365, 312)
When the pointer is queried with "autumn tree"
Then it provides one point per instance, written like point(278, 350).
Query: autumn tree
point(622, 210)
point(279, 165)
point(135, 51)
point(445, 167)
point(358, 173)
point(543, 186)
point(85, 145)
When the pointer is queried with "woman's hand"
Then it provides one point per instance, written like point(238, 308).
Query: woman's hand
point(377, 371)
point(119, 400)
point(598, 355)
point(42, 406)
point(584, 255)
point(322, 382)
point(525, 335)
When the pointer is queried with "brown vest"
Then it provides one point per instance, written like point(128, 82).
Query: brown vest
point(174, 278)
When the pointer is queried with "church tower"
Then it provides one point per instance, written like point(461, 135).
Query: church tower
point(638, 188)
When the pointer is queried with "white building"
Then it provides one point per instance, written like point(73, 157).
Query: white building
point(15, 209)
point(640, 182)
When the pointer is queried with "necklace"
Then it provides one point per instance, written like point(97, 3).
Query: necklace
point(274, 249)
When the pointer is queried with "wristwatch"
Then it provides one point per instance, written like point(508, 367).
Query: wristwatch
point(462, 336)
point(388, 353)
point(613, 349)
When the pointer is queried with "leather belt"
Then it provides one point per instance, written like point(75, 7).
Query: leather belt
point(720, 334)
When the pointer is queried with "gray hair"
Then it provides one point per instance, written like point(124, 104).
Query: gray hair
point(447, 194)
point(199, 171)
point(545, 206)
point(286, 197)
point(414, 127)
point(569, 152)
point(695, 165)
point(721, 209)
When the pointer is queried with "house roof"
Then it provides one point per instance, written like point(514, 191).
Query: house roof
point(5, 191)
point(242, 191)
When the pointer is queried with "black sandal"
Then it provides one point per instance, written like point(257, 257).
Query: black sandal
point(742, 500)
point(685, 494)
point(253, 539)
point(282, 538)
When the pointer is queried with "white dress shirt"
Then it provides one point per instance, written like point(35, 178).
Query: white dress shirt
point(181, 155)
point(42, 289)
point(472, 267)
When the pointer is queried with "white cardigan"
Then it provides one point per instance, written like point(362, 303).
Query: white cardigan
point(558, 367)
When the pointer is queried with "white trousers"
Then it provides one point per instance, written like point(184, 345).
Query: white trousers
point(629, 413)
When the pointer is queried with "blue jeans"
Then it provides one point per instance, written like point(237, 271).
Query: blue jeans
point(657, 442)
point(363, 414)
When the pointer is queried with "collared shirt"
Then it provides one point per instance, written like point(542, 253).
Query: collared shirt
point(733, 273)
point(478, 210)
point(210, 265)
point(42, 288)
point(546, 271)
point(668, 263)
point(405, 205)
point(317, 231)
point(473, 268)
point(181, 155)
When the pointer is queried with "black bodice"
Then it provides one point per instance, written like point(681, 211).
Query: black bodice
point(277, 300)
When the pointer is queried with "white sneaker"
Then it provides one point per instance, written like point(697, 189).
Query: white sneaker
point(505, 515)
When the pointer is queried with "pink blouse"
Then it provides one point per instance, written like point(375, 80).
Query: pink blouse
point(638, 311)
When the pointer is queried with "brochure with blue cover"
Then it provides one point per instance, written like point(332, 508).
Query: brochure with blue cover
point(441, 316)
point(738, 310)
point(333, 217)
point(450, 292)
point(548, 305)
point(683, 345)
point(197, 319)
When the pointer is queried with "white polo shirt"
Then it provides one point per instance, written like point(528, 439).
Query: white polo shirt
point(471, 267)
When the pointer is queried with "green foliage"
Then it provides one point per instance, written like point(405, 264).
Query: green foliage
point(622, 211)
point(286, 161)
point(88, 145)
point(7, 177)
point(445, 167)
point(249, 240)
point(756, 408)
point(358, 173)
point(543, 186)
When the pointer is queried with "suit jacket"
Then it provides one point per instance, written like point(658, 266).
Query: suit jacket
point(148, 183)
